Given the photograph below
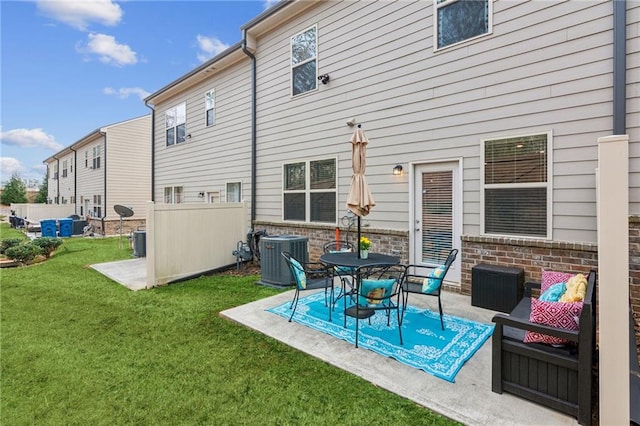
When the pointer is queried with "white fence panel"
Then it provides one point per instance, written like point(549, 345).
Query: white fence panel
point(37, 212)
point(183, 240)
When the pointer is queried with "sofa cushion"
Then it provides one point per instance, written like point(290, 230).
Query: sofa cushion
point(576, 289)
point(554, 314)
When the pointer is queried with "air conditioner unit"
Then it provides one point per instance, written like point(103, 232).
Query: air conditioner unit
point(273, 268)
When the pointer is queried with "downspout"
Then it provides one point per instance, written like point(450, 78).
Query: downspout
point(75, 180)
point(253, 127)
point(619, 67)
point(58, 180)
point(153, 150)
point(104, 201)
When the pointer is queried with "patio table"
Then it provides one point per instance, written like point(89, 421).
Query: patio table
point(351, 260)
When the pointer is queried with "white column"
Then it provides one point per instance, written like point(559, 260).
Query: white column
point(613, 277)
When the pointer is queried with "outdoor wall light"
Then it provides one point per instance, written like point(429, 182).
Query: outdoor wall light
point(397, 170)
point(324, 78)
point(200, 194)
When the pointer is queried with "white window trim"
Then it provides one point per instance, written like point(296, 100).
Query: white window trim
point(206, 110)
point(175, 125)
point(226, 190)
point(548, 184)
point(307, 191)
point(291, 67)
point(437, 6)
point(173, 194)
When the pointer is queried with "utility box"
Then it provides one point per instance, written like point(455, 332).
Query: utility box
point(499, 288)
point(273, 268)
point(140, 243)
point(48, 228)
point(66, 227)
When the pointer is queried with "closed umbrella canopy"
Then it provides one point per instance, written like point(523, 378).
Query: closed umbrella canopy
point(359, 200)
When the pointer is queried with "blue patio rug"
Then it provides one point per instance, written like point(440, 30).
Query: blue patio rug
point(426, 345)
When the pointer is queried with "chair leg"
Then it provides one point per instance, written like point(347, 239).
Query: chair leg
point(294, 303)
point(399, 325)
point(440, 307)
point(357, 322)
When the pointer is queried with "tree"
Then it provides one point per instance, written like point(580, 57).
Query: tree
point(14, 191)
point(43, 191)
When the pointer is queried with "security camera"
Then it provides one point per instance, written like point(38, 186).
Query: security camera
point(324, 78)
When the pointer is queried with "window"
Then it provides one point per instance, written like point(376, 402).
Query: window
point(55, 173)
point(64, 169)
point(310, 191)
point(86, 159)
point(175, 119)
point(97, 208)
point(304, 64)
point(173, 195)
point(460, 20)
point(71, 164)
point(516, 186)
point(213, 197)
point(95, 164)
point(234, 192)
point(210, 107)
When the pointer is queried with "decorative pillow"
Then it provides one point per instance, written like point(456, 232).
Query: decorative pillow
point(553, 293)
point(299, 275)
point(554, 314)
point(433, 281)
point(576, 289)
point(372, 290)
point(550, 277)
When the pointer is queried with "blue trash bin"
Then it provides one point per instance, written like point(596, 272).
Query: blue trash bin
point(66, 227)
point(48, 228)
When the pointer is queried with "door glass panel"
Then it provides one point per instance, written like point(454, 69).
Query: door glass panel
point(437, 216)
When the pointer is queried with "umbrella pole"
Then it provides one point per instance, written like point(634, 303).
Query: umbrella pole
point(358, 240)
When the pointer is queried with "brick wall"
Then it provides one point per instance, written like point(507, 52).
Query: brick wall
point(383, 241)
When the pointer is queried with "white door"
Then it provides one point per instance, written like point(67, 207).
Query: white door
point(437, 215)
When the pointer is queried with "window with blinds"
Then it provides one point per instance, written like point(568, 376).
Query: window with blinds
point(310, 191)
point(515, 188)
point(437, 216)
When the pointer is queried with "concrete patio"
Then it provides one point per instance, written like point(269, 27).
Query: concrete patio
point(469, 400)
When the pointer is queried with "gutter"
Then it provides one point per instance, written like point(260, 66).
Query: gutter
point(253, 127)
point(153, 150)
point(619, 67)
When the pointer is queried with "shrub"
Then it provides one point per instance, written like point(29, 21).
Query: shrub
point(47, 244)
point(23, 253)
point(8, 243)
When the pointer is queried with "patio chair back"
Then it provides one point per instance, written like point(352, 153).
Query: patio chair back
point(428, 281)
point(308, 275)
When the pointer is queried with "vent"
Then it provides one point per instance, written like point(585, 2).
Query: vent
point(273, 268)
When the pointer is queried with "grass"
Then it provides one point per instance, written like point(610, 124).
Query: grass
point(78, 348)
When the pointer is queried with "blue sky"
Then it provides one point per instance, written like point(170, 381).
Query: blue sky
point(69, 67)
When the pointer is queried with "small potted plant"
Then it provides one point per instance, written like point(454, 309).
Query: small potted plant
point(364, 246)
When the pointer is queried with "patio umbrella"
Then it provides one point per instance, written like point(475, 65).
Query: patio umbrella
point(359, 200)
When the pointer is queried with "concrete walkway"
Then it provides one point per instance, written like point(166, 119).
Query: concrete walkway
point(469, 400)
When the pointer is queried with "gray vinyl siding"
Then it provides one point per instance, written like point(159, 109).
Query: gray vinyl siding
point(128, 166)
point(90, 181)
point(214, 155)
point(547, 66)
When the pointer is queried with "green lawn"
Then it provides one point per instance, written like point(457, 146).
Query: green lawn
point(78, 348)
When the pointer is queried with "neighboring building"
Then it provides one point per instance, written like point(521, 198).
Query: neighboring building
point(109, 166)
point(493, 110)
point(202, 135)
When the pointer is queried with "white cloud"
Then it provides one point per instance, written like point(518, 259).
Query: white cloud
point(108, 50)
point(80, 13)
point(125, 92)
point(209, 47)
point(28, 138)
point(9, 166)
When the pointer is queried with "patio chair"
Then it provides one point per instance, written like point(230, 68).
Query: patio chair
point(378, 288)
point(308, 276)
point(344, 273)
point(428, 281)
